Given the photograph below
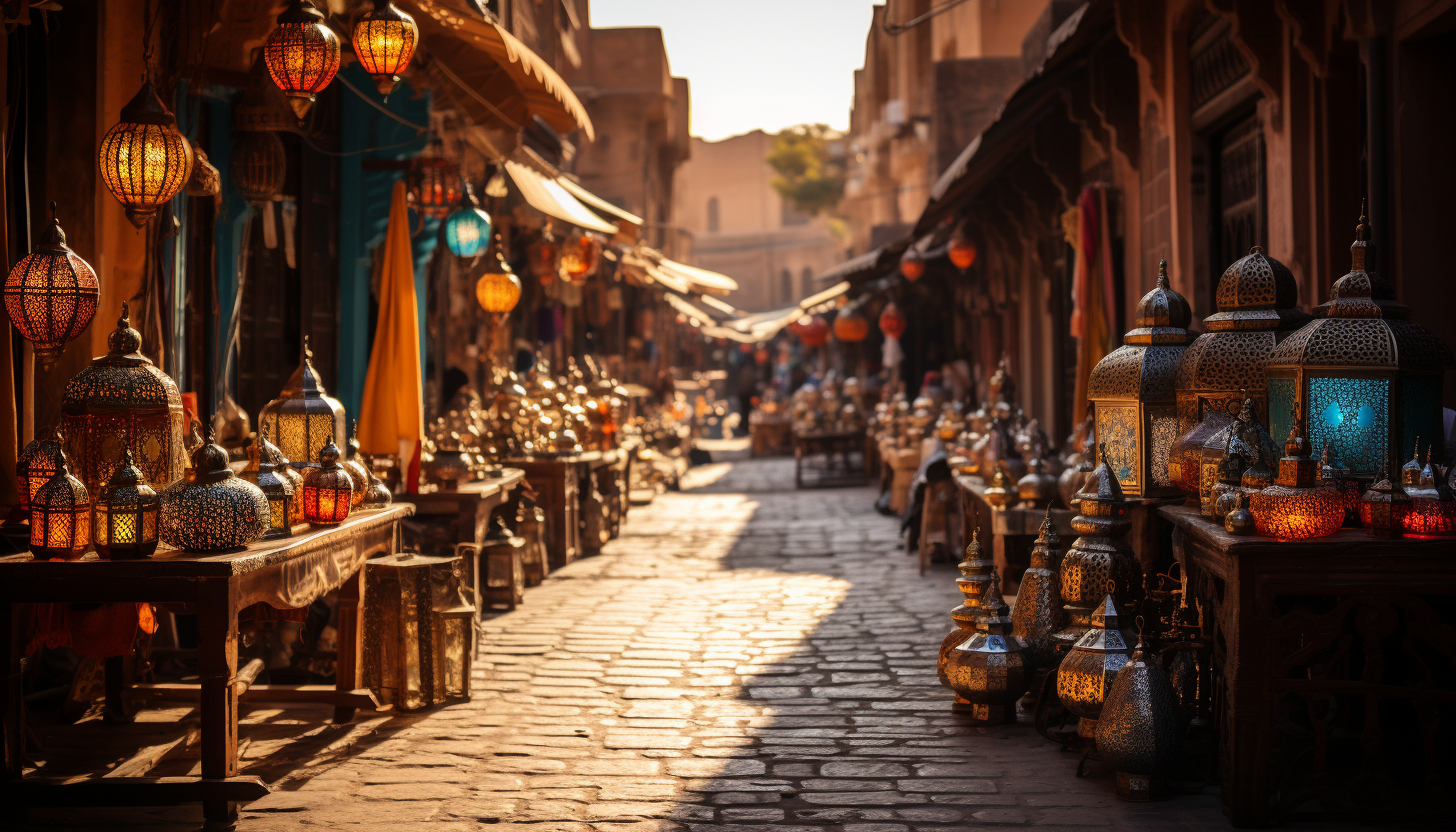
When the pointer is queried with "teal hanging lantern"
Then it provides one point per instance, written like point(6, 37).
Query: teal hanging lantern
point(467, 230)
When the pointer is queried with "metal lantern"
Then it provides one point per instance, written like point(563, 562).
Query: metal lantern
point(498, 290)
point(580, 257)
point(1140, 730)
point(434, 186)
point(1296, 507)
point(357, 473)
point(850, 325)
point(467, 231)
point(1087, 671)
point(266, 469)
point(1186, 456)
point(328, 490)
point(127, 514)
point(975, 576)
point(543, 257)
point(1039, 614)
point(304, 417)
point(1433, 509)
point(36, 465)
point(912, 264)
point(258, 165)
point(989, 670)
point(122, 401)
point(1384, 506)
point(813, 331)
point(50, 295)
point(1362, 377)
point(1001, 492)
point(418, 628)
point(60, 515)
point(892, 321)
point(384, 42)
point(1099, 556)
point(144, 160)
point(377, 495)
point(302, 54)
point(961, 251)
point(1133, 394)
point(215, 510)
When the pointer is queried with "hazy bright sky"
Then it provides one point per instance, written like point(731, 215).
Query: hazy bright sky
point(756, 63)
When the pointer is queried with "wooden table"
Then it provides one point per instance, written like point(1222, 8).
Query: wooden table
point(557, 481)
point(608, 475)
point(1010, 531)
point(285, 573)
point(1334, 664)
point(810, 446)
point(458, 521)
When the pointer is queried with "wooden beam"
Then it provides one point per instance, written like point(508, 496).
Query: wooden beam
point(128, 791)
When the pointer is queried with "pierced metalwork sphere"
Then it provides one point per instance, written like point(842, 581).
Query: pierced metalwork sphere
point(127, 514)
point(302, 54)
point(50, 295)
point(498, 290)
point(304, 417)
point(467, 231)
point(328, 491)
point(215, 510)
point(384, 42)
point(144, 161)
point(258, 165)
point(60, 516)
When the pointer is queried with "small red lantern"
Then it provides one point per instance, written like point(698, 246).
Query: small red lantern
point(434, 183)
point(543, 257)
point(912, 264)
point(814, 332)
point(50, 295)
point(760, 356)
point(302, 54)
point(892, 321)
point(850, 325)
point(962, 252)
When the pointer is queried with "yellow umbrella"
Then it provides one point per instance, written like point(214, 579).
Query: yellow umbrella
point(391, 415)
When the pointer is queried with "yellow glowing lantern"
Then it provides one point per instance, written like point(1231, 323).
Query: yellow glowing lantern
point(302, 54)
point(384, 42)
point(144, 161)
point(127, 510)
point(50, 295)
point(60, 516)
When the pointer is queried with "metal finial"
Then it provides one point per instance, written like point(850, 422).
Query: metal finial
point(307, 353)
point(1163, 273)
point(1362, 231)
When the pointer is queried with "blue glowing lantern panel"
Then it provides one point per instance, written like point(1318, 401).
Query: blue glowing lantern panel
point(1281, 405)
point(467, 232)
point(1352, 413)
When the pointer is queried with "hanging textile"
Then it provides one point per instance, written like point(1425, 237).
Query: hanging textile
point(1092, 288)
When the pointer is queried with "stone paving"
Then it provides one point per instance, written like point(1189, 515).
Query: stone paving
point(746, 656)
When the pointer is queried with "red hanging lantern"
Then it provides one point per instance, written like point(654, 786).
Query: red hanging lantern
point(912, 264)
point(962, 252)
point(302, 54)
point(580, 256)
point(814, 332)
point(50, 295)
point(850, 325)
point(434, 183)
point(384, 42)
point(892, 321)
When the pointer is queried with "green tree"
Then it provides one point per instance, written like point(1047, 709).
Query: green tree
point(809, 161)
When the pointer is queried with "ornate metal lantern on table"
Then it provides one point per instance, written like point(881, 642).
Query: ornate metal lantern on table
point(127, 516)
point(304, 417)
point(60, 516)
point(328, 491)
point(215, 510)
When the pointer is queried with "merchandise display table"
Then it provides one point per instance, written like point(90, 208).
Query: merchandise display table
point(457, 521)
point(829, 459)
point(284, 573)
point(557, 481)
point(1333, 673)
point(1008, 531)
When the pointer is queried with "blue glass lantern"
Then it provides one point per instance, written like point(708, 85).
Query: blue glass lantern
point(1363, 378)
point(467, 231)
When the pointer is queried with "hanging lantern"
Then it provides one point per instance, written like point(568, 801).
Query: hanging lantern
point(850, 325)
point(498, 290)
point(215, 510)
point(1296, 507)
point(580, 256)
point(124, 401)
point(304, 417)
point(1384, 506)
point(1039, 613)
point(1132, 392)
point(266, 466)
point(1364, 378)
point(543, 257)
point(962, 252)
point(328, 491)
point(912, 264)
point(434, 182)
point(892, 321)
point(467, 231)
point(60, 516)
point(50, 295)
point(813, 331)
point(36, 465)
point(144, 161)
point(1087, 672)
point(989, 670)
point(1140, 730)
point(126, 519)
point(384, 42)
point(302, 54)
point(258, 165)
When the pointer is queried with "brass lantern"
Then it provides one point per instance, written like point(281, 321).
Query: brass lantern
point(1140, 730)
point(989, 670)
point(580, 256)
point(144, 160)
point(50, 295)
point(1296, 506)
point(124, 401)
point(418, 626)
point(215, 510)
point(975, 576)
point(258, 165)
point(1433, 510)
point(266, 469)
point(377, 495)
point(435, 186)
point(1133, 394)
point(302, 54)
point(36, 465)
point(1086, 672)
point(357, 474)
point(498, 290)
point(1360, 376)
point(60, 516)
point(1099, 557)
point(1039, 614)
point(127, 514)
point(1384, 506)
point(304, 417)
point(384, 42)
point(543, 256)
point(328, 491)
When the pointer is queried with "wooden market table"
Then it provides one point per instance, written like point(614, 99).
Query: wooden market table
point(611, 476)
point(458, 521)
point(287, 573)
point(1334, 669)
point(557, 481)
point(826, 458)
point(1009, 531)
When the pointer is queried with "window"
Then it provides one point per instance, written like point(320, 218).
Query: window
point(806, 283)
point(712, 215)
point(786, 286)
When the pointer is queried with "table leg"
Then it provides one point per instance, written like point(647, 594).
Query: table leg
point(349, 667)
point(12, 700)
point(217, 664)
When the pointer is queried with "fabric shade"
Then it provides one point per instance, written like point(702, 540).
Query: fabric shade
point(550, 198)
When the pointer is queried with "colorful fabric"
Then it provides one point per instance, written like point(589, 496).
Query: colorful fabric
point(1092, 289)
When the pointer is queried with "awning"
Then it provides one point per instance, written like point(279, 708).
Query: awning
point(726, 308)
point(832, 293)
point(550, 198)
point(640, 262)
point(702, 280)
point(686, 307)
point(866, 266)
point(600, 205)
point(510, 86)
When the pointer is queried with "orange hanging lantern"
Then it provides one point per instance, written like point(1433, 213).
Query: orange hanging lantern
point(912, 264)
point(384, 42)
point(498, 290)
point(60, 516)
point(302, 54)
point(435, 187)
point(50, 295)
point(580, 257)
point(543, 257)
point(850, 325)
point(892, 321)
point(144, 161)
point(814, 332)
point(962, 252)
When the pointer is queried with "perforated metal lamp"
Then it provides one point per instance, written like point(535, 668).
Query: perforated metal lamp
point(266, 466)
point(1296, 507)
point(215, 510)
point(302, 54)
point(304, 417)
point(144, 161)
point(127, 516)
point(60, 516)
point(434, 182)
point(384, 42)
point(467, 231)
point(36, 465)
point(328, 491)
point(50, 295)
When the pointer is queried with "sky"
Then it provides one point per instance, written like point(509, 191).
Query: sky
point(753, 64)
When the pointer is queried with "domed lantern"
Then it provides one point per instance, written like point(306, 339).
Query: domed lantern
point(1140, 729)
point(354, 465)
point(144, 160)
point(258, 165)
point(912, 264)
point(1296, 506)
point(1133, 393)
point(989, 670)
point(1364, 379)
point(467, 231)
point(434, 182)
point(1099, 558)
point(127, 513)
point(302, 54)
point(384, 42)
point(975, 577)
point(543, 257)
point(1257, 306)
point(961, 251)
point(892, 321)
point(215, 510)
point(50, 295)
point(266, 466)
point(1039, 613)
point(122, 401)
point(60, 516)
point(304, 417)
point(1088, 670)
point(328, 490)
point(580, 256)
point(36, 465)
point(850, 325)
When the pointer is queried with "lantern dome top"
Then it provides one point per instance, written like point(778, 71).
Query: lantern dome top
point(127, 473)
point(300, 12)
point(1256, 292)
point(1353, 294)
point(54, 238)
point(123, 378)
point(1159, 310)
point(146, 107)
point(210, 462)
point(329, 454)
point(269, 455)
